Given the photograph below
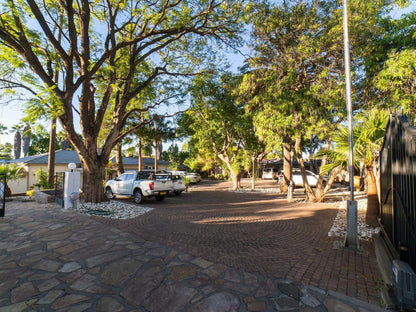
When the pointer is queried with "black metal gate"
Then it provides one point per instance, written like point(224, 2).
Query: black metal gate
point(59, 188)
point(398, 188)
point(2, 194)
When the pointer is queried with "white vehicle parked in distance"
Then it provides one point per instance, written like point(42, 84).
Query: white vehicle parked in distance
point(297, 177)
point(140, 185)
point(193, 177)
point(178, 184)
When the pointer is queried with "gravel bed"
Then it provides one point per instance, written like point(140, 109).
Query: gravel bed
point(339, 226)
point(113, 209)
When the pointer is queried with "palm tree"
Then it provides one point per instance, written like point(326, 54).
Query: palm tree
point(26, 136)
point(17, 146)
point(11, 172)
point(368, 134)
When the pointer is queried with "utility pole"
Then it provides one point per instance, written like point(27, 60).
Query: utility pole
point(351, 239)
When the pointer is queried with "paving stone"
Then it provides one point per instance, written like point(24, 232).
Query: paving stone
point(232, 275)
point(77, 308)
point(285, 303)
point(170, 296)
point(69, 267)
point(80, 236)
point(108, 304)
point(215, 270)
point(106, 257)
point(41, 276)
point(6, 286)
point(60, 236)
point(240, 288)
point(266, 288)
point(48, 284)
point(182, 272)
point(47, 265)
point(172, 254)
point(83, 282)
point(22, 292)
point(69, 300)
point(151, 245)
point(142, 258)
point(290, 289)
point(333, 305)
point(17, 307)
point(157, 252)
point(250, 279)
point(95, 271)
point(201, 263)
point(209, 289)
point(198, 281)
point(50, 297)
point(116, 273)
point(99, 289)
point(69, 248)
point(22, 248)
point(185, 257)
point(133, 246)
point(144, 282)
point(310, 301)
point(56, 244)
point(7, 265)
point(27, 261)
point(86, 252)
point(219, 302)
point(254, 304)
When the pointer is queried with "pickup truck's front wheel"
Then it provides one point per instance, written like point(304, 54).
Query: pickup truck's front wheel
point(109, 193)
point(160, 197)
point(138, 196)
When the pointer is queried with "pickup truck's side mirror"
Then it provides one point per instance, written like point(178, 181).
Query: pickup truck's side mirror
point(117, 179)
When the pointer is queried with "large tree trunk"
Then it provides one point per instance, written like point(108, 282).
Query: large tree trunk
point(93, 177)
point(140, 155)
point(235, 176)
point(321, 189)
point(236, 179)
point(156, 151)
point(372, 198)
point(287, 164)
point(119, 160)
point(310, 195)
point(51, 154)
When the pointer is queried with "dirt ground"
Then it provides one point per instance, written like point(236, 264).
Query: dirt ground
point(259, 232)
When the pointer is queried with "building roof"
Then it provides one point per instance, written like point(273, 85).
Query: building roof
point(274, 161)
point(135, 160)
point(66, 157)
point(61, 157)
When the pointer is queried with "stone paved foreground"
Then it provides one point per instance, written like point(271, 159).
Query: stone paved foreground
point(57, 260)
point(261, 233)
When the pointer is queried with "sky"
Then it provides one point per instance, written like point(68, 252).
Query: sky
point(12, 113)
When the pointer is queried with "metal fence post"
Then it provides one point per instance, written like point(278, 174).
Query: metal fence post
point(3, 192)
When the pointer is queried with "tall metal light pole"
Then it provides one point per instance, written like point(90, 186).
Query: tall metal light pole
point(351, 239)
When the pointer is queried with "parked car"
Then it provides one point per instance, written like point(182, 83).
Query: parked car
point(270, 173)
point(178, 184)
point(193, 177)
point(297, 177)
point(140, 185)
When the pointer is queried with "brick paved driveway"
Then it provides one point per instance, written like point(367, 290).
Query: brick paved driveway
point(261, 233)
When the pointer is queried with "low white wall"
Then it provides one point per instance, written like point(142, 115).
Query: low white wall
point(18, 186)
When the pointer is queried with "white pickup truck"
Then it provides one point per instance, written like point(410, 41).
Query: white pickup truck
point(140, 185)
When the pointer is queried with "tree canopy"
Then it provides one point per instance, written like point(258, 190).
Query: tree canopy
point(82, 61)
